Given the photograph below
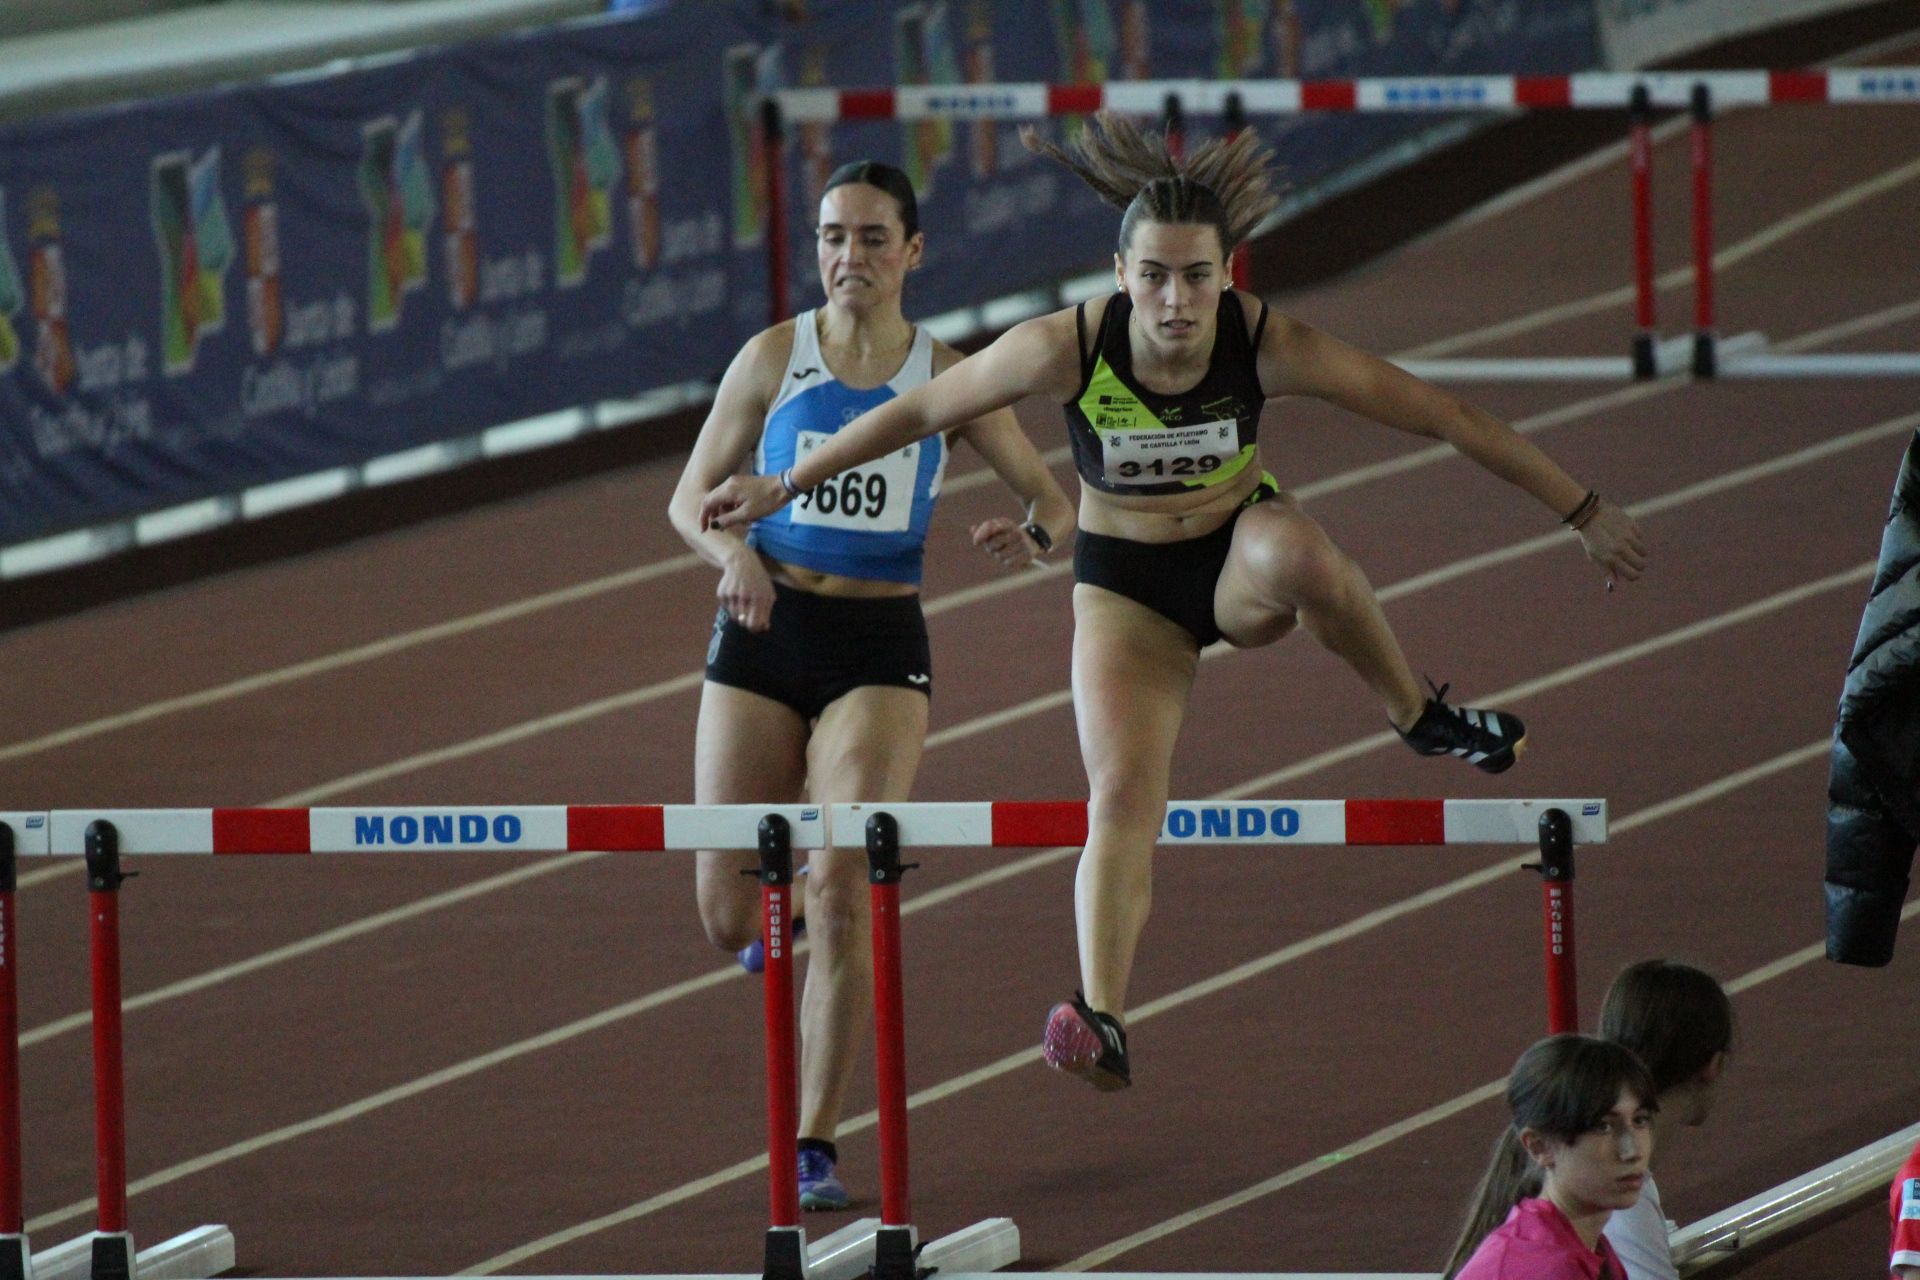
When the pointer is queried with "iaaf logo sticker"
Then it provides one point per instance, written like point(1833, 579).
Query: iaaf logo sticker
point(195, 242)
point(585, 162)
point(397, 189)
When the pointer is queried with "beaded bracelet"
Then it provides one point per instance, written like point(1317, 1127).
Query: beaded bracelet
point(786, 482)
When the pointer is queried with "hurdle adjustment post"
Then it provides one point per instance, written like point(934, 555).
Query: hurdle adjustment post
point(1240, 263)
point(895, 1251)
point(16, 1258)
point(1645, 364)
point(113, 1256)
point(773, 155)
point(1556, 876)
point(1704, 364)
point(786, 1254)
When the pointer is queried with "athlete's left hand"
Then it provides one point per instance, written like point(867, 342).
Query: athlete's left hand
point(1006, 541)
point(740, 500)
point(1612, 540)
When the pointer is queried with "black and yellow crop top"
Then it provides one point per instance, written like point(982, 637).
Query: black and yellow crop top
point(1127, 439)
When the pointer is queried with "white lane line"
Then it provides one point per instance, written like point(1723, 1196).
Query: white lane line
point(348, 657)
point(399, 643)
point(1241, 973)
point(1487, 559)
point(944, 737)
point(1446, 573)
point(1851, 328)
point(305, 946)
point(644, 573)
point(1760, 241)
point(1493, 1088)
point(595, 1022)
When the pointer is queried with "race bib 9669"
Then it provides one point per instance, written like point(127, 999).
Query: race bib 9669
point(875, 497)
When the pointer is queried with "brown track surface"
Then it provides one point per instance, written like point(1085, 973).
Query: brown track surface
point(1287, 1068)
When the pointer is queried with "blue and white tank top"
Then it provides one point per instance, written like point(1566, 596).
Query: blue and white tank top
point(869, 521)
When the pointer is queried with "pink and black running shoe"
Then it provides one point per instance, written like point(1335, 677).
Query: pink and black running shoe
point(1087, 1044)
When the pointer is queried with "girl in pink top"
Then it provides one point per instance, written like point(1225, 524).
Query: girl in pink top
point(1583, 1117)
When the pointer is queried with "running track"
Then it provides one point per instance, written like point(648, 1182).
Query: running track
point(489, 1064)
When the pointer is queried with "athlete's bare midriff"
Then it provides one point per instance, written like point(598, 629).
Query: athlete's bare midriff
point(834, 584)
point(1166, 517)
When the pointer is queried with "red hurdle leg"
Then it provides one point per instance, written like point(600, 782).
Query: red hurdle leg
point(894, 1244)
point(16, 1259)
point(1704, 364)
point(113, 1257)
point(786, 1242)
point(1556, 876)
point(1240, 265)
point(1641, 146)
point(779, 270)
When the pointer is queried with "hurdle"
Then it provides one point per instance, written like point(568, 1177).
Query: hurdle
point(201, 1252)
point(16, 1257)
point(1638, 94)
point(887, 1248)
point(103, 837)
point(1552, 826)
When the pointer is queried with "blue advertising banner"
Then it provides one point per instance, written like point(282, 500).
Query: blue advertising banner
point(204, 294)
point(213, 292)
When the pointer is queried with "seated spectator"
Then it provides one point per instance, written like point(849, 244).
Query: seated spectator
point(1583, 1113)
point(1680, 1023)
point(1904, 1259)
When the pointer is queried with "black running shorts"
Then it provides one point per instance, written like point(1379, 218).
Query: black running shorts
point(818, 648)
point(1174, 579)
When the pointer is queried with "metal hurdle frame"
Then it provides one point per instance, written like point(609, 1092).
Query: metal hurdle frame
point(774, 831)
point(852, 1251)
point(1698, 92)
point(888, 1249)
point(200, 1252)
point(1554, 825)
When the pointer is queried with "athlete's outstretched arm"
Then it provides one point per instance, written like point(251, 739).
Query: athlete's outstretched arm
point(1297, 359)
point(1025, 360)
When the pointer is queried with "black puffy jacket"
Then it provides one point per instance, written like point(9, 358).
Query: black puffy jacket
point(1873, 791)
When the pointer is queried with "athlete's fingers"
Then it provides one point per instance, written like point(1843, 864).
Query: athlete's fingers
point(984, 533)
point(714, 504)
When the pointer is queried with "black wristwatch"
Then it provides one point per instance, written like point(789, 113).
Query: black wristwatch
point(1038, 532)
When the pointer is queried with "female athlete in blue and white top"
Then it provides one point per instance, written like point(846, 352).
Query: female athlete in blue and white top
point(818, 676)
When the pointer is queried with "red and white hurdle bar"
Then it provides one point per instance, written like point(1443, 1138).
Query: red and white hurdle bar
point(103, 836)
point(653, 828)
point(1640, 93)
point(1581, 90)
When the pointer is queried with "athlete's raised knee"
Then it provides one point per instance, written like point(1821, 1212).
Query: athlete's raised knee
point(1297, 563)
